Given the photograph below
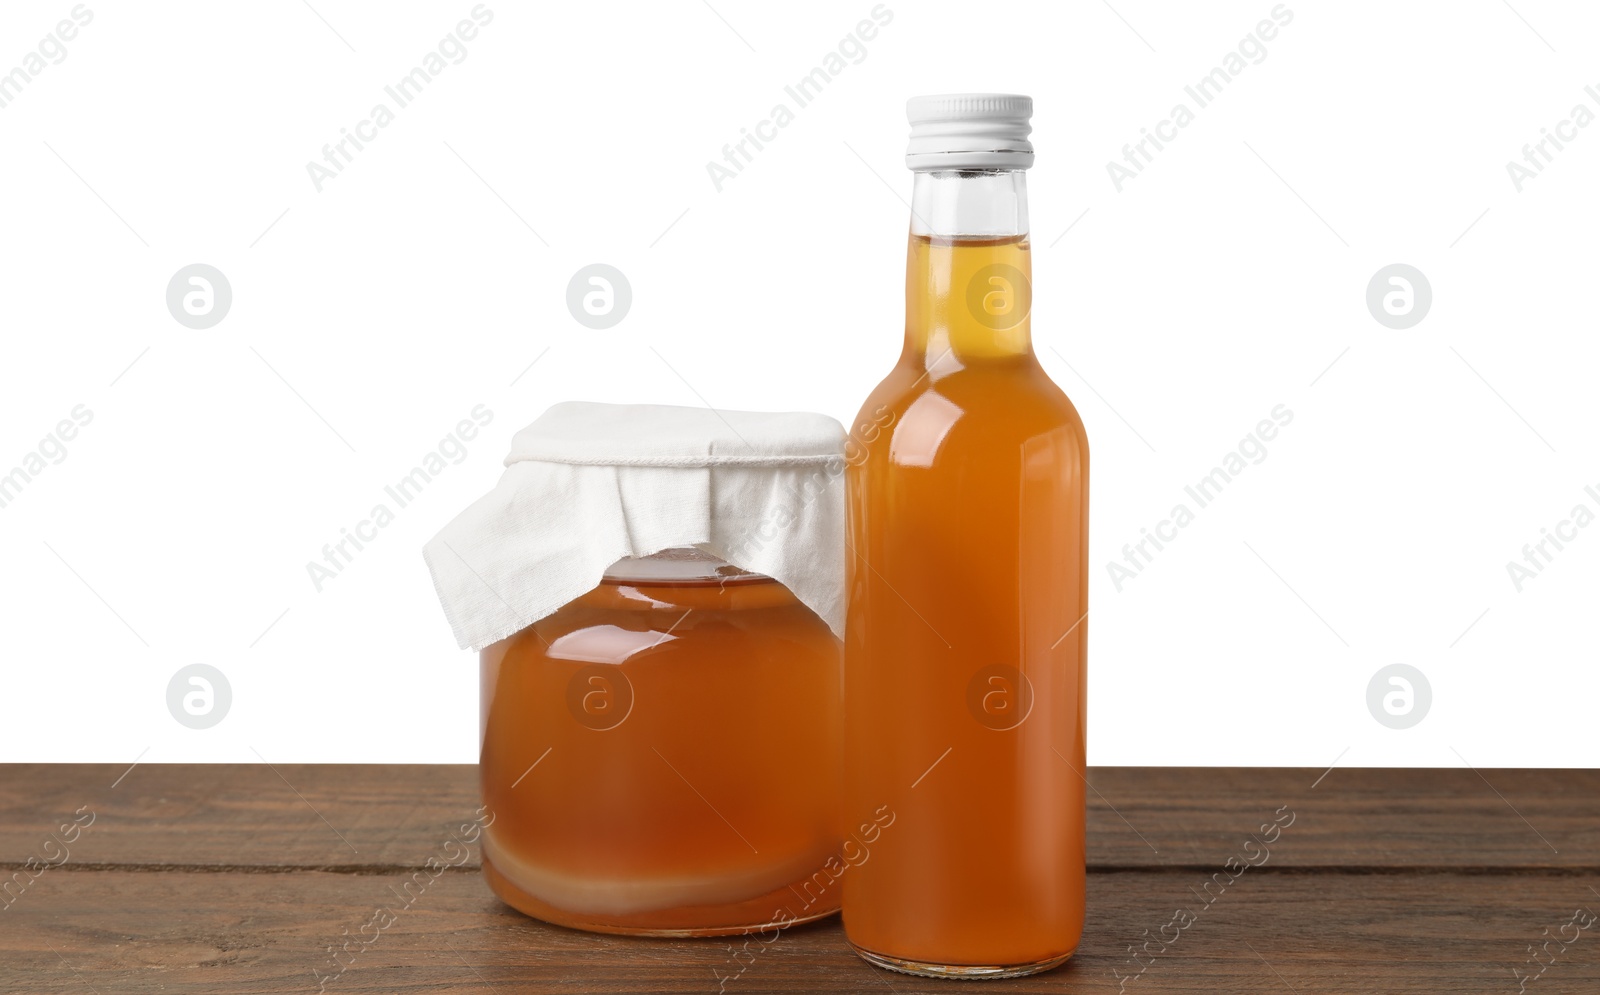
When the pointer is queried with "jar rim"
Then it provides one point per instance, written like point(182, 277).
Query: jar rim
point(679, 563)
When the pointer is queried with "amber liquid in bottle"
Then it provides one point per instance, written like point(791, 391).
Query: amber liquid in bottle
point(965, 642)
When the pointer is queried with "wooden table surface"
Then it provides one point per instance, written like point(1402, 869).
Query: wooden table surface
point(222, 878)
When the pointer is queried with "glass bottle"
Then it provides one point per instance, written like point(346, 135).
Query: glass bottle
point(965, 639)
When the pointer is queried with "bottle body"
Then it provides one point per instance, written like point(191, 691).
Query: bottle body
point(965, 639)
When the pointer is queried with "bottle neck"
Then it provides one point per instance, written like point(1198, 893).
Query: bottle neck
point(969, 271)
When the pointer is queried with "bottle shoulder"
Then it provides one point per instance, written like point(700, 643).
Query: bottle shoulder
point(1017, 389)
point(989, 407)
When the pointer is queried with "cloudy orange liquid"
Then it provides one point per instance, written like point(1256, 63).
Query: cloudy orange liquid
point(969, 528)
point(664, 758)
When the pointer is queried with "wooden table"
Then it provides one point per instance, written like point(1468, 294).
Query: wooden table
point(215, 878)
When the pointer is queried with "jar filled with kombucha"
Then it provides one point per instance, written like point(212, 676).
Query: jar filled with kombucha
point(662, 755)
point(965, 637)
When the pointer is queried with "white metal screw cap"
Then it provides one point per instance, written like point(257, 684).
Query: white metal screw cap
point(970, 131)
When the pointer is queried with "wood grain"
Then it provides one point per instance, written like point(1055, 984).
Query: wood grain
point(229, 815)
point(224, 878)
point(178, 932)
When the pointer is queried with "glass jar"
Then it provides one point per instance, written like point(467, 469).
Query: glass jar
point(662, 756)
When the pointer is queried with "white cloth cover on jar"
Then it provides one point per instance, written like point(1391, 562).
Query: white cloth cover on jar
point(588, 484)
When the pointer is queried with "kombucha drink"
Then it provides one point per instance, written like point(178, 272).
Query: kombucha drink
point(965, 639)
point(662, 756)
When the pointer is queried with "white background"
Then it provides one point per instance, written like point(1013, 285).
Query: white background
point(423, 280)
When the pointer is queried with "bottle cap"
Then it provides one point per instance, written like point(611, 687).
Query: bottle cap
point(970, 131)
